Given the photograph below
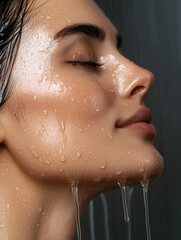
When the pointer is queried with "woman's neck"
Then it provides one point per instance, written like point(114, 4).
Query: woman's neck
point(31, 210)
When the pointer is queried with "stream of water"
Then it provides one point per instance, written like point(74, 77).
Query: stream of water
point(145, 197)
point(75, 197)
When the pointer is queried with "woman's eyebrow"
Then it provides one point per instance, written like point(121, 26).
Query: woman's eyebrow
point(88, 29)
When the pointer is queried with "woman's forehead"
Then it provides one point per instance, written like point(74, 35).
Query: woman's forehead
point(56, 14)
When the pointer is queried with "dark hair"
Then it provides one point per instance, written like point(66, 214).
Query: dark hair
point(12, 19)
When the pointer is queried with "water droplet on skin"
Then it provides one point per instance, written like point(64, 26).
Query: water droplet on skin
point(141, 167)
point(114, 81)
point(2, 225)
point(45, 112)
point(78, 154)
point(102, 166)
point(63, 126)
point(7, 205)
point(48, 17)
point(35, 98)
point(118, 172)
point(110, 136)
point(29, 214)
point(33, 151)
point(72, 99)
point(17, 188)
point(40, 209)
point(55, 111)
point(97, 179)
point(63, 159)
point(97, 110)
point(80, 129)
point(147, 160)
point(47, 162)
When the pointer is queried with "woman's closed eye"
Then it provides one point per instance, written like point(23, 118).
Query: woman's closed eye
point(86, 64)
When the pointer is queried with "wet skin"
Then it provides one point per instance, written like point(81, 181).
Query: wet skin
point(59, 124)
point(63, 115)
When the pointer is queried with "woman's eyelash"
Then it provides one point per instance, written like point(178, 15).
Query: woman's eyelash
point(86, 64)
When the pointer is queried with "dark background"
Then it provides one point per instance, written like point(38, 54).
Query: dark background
point(151, 32)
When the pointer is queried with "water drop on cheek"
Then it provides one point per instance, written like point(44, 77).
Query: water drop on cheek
point(63, 159)
point(45, 112)
point(35, 98)
point(78, 154)
point(63, 125)
point(102, 166)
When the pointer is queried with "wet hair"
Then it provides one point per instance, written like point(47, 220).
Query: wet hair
point(12, 19)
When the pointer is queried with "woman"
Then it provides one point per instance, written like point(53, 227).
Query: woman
point(72, 112)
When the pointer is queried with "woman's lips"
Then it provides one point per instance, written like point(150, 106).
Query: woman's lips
point(143, 127)
point(139, 121)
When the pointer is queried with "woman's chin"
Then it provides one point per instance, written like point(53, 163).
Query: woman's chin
point(132, 174)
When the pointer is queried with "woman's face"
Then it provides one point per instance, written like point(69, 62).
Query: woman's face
point(71, 87)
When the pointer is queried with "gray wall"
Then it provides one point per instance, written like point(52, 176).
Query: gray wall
point(151, 34)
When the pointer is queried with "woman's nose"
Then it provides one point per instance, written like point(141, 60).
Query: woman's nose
point(132, 80)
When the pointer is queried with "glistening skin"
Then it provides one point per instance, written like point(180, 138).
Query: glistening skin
point(60, 122)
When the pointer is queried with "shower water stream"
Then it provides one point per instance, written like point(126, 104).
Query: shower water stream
point(126, 193)
point(129, 200)
point(75, 197)
point(91, 215)
point(106, 216)
point(124, 200)
point(145, 197)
